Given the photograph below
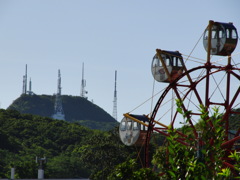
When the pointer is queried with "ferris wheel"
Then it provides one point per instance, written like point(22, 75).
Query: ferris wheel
point(210, 85)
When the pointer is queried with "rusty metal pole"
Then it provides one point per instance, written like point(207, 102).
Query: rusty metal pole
point(208, 61)
point(226, 117)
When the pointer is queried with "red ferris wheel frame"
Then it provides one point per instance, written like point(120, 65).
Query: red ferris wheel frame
point(210, 69)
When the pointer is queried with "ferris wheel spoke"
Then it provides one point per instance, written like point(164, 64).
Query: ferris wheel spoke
point(233, 100)
point(236, 107)
point(186, 112)
point(217, 86)
point(189, 99)
point(230, 142)
point(236, 75)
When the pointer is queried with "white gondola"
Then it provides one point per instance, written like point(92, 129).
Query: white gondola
point(132, 132)
point(224, 39)
point(172, 60)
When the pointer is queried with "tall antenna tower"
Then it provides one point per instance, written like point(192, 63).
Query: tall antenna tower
point(83, 85)
point(30, 86)
point(24, 91)
point(115, 98)
point(30, 92)
point(58, 109)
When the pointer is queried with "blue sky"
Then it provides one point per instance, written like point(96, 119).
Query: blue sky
point(107, 36)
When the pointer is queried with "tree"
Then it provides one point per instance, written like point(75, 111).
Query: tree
point(186, 162)
point(66, 165)
point(102, 152)
point(130, 170)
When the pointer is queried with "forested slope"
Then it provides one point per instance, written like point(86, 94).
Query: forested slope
point(71, 149)
point(76, 109)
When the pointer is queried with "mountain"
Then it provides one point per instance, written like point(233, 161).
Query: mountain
point(76, 109)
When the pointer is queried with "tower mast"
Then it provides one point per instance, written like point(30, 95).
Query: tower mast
point(24, 91)
point(83, 84)
point(29, 92)
point(25, 80)
point(30, 86)
point(115, 98)
point(58, 109)
point(23, 88)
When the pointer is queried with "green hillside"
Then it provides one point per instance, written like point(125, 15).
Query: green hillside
point(76, 109)
point(71, 149)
